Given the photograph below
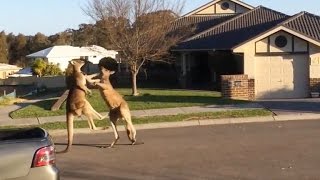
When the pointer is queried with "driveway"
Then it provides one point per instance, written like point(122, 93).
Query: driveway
point(292, 106)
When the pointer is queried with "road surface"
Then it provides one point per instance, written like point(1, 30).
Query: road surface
point(256, 151)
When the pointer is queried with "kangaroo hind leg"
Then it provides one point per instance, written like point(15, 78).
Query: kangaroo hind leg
point(113, 121)
point(70, 118)
point(131, 131)
point(87, 111)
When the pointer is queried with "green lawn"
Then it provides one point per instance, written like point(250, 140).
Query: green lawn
point(148, 99)
point(157, 119)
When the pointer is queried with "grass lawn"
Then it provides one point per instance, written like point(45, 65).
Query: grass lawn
point(157, 119)
point(148, 99)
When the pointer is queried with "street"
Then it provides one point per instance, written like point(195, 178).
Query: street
point(277, 150)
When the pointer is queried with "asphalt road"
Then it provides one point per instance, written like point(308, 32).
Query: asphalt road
point(257, 151)
point(292, 106)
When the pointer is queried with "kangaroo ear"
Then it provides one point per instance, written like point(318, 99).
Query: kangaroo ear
point(112, 72)
point(71, 62)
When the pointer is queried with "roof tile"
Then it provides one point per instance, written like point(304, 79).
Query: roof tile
point(235, 31)
point(202, 22)
point(305, 23)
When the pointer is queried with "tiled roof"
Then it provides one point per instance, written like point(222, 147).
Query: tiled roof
point(235, 31)
point(202, 22)
point(306, 24)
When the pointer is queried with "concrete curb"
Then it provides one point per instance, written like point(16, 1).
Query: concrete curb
point(203, 122)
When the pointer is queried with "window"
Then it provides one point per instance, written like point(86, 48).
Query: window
point(281, 41)
point(225, 5)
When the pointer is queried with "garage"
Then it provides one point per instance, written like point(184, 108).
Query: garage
point(285, 76)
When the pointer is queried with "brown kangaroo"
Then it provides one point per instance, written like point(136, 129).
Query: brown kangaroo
point(77, 103)
point(118, 107)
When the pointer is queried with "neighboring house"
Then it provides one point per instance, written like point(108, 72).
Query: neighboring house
point(252, 53)
point(61, 55)
point(7, 69)
point(25, 72)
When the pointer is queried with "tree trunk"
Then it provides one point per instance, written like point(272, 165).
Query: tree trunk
point(134, 84)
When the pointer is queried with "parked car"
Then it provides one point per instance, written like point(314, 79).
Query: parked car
point(27, 154)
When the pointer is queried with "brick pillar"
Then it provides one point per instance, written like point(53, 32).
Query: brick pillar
point(251, 89)
point(237, 87)
point(315, 84)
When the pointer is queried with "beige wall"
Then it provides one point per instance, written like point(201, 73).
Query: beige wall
point(216, 8)
point(274, 48)
point(208, 10)
point(4, 73)
point(299, 44)
point(232, 7)
point(314, 61)
point(248, 58)
point(262, 46)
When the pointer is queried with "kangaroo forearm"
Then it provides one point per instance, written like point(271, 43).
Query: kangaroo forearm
point(92, 76)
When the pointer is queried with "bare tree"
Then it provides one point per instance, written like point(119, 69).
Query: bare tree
point(140, 29)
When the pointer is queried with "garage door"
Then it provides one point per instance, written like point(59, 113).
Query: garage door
point(281, 76)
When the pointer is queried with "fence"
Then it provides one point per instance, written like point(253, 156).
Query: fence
point(10, 95)
point(48, 82)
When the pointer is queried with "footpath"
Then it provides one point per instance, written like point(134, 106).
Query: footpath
point(7, 121)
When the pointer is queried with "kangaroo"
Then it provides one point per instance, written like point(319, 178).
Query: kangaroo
point(77, 103)
point(118, 107)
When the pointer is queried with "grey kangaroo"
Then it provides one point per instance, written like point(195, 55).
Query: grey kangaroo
point(118, 107)
point(77, 103)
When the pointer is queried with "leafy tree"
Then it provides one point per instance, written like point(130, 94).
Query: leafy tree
point(10, 41)
point(43, 68)
point(3, 48)
point(63, 38)
point(84, 36)
point(140, 29)
point(18, 50)
point(52, 70)
point(38, 42)
point(38, 66)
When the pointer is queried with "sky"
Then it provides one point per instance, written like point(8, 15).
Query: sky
point(52, 16)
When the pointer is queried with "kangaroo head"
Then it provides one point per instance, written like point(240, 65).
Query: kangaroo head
point(77, 63)
point(106, 73)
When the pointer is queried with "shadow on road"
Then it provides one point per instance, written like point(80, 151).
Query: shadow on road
point(279, 106)
point(94, 145)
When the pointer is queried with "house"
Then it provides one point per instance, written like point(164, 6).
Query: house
point(24, 72)
point(250, 52)
point(61, 55)
point(7, 69)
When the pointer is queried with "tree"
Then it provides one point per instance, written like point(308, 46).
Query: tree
point(43, 68)
point(84, 36)
point(62, 38)
point(3, 48)
point(38, 66)
point(52, 70)
point(140, 29)
point(18, 49)
point(38, 42)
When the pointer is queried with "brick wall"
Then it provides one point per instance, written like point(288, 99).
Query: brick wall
point(251, 89)
point(315, 84)
point(237, 87)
